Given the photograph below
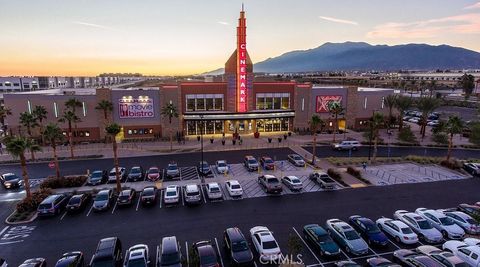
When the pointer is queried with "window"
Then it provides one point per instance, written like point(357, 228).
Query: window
point(365, 103)
point(383, 102)
point(55, 109)
point(16, 84)
point(26, 86)
point(209, 104)
point(84, 107)
point(303, 104)
point(218, 103)
point(29, 106)
point(269, 103)
point(285, 102)
point(8, 84)
point(200, 103)
point(277, 102)
point(191, 104)
point(260, 103)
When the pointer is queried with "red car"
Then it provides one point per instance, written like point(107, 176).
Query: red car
point(153, 174)
point(267, 163)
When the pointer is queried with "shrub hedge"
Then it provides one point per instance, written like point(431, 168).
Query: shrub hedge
point(63, 182)
point(31, 204)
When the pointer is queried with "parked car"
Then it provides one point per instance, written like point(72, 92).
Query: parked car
point(472, 210)
point(169, 253)
point(347, 263)
point(380, 262)
point(323, 179)
point(320, 240)
point(149, 195)
point(265, 244)
point(172, 170)
point(292, 182)
point(71, 259)
point(172, 195)
point(108, 253)
point(222, 166)
point(419, 225)
point(52, 205)
point(464, 220)
point(237, 247)
point(472, 241)
point(347, 145)
point(103, 200)
point(469, 254)
point(78, 202)
point(453, 245)
point(213, 191)
point(112, 176)
point(413, 259)
point(192, 194)
point(135, 174)
point(296, 160)
point(250, 163)
point(97, 177)
point(204, 168)
point(401, 232)
point(137, 256)
point(472, 168)
point(153, 174)
point(347, 237)
point(126, 197)
point(3, 263)
point(234, 188)
point(35, 262)
point(368, 230)
point(267, 163)
point(204, 254)
point(10, 180)
point(441, 222)
point(446, 258)
point(270, 184)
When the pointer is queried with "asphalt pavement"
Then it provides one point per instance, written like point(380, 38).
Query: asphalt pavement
point(284, 215)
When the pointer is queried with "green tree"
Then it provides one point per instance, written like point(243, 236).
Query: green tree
point(467, 83)
point(402, 104)
point(53, 134)
point(315, 125)
point(16, 146)
point(112, 130)
point(335, 108)
point(72, 104)
point(105, 106)
point(390, 103)
point(406, 135)
point(376, 123)
point(40, 113)
point(475, 134)
point(426, 105)
point(170, 111)
point(453, 126)
point(29, 121)
point(70, 118)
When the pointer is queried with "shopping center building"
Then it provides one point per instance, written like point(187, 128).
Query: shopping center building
point(235, 104)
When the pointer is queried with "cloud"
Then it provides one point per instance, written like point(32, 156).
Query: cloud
point(223, 23)
point(94, 25)
point(343, 21)
point(460, 24)
point(474, 6)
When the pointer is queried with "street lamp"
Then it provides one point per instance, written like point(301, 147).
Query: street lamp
point(201, 149)
point(371, 135)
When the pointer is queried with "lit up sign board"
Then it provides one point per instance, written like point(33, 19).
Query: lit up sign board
point(242, 78)
point(134, 108)
point(323, 101)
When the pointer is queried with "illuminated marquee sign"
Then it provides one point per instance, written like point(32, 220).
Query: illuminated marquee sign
point(134, 108)
point(242, 78)
point(324, 100)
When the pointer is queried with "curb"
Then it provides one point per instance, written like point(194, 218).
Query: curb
point(20, 222)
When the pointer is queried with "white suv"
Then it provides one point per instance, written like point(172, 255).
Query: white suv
point(234, 188)
point(347, 145)
point(192, 194)
point(172, 195)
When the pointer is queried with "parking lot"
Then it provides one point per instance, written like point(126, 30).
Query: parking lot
point(410, 173)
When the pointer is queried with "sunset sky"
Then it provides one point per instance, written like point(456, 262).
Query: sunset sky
point(153, 37)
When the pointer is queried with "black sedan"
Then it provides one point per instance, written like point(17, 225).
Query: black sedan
point(471, 210)
point(10, 180)
point(78, 202)
point(126, 197)
point(472, 168)
point(380, 262)
point(149, 195)
point(204, 254)
point(237, 247)
point(71, 259)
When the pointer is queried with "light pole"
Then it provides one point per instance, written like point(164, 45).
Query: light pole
point(201, 150)
point(371, 136)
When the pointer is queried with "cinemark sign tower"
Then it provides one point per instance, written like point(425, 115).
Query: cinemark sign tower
point(238, 71)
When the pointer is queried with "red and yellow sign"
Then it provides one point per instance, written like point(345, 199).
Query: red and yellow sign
point(242, 79)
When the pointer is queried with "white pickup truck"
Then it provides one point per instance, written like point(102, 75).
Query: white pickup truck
point(325, 181)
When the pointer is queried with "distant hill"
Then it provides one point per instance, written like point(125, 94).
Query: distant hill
point(363, 56)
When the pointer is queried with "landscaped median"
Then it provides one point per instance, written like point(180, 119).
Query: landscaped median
point(26, 209)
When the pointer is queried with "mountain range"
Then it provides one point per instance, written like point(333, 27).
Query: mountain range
point(362, 56)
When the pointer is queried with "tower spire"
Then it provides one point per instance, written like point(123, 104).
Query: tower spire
point(242, 7)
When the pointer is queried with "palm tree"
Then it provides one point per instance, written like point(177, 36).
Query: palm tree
point(170, 111)
point(390, 102)
point(377, 121)
point(69, 117)
point(29, 121)
point(426, 105)
point(402, 104)
point(112, 130)
point(453, 126)
point(335, 108)
point(315, 124)
point(40, 113)
point(432, 87)
point(53, 134)
point(72, 104)
point(17, 146)
point(106, 106)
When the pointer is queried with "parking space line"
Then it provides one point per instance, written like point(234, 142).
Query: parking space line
point(345, 254)
point(161, 198)
point(394, 243)
point(91, 208)
point(63, 216)
point(203, 194)
point(311, 251)
point(157, 256)
point(182, 196)
point(186, 253)
point(114, 207)
point(369, 248)
point(138, 203)
point(4, 230)
point(255, 263)
point(219, 254)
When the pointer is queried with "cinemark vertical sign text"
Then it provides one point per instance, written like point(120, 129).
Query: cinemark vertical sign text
point(242, 78)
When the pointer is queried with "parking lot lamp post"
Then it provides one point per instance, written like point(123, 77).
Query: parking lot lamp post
point(201, 150)
point(371, 136)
